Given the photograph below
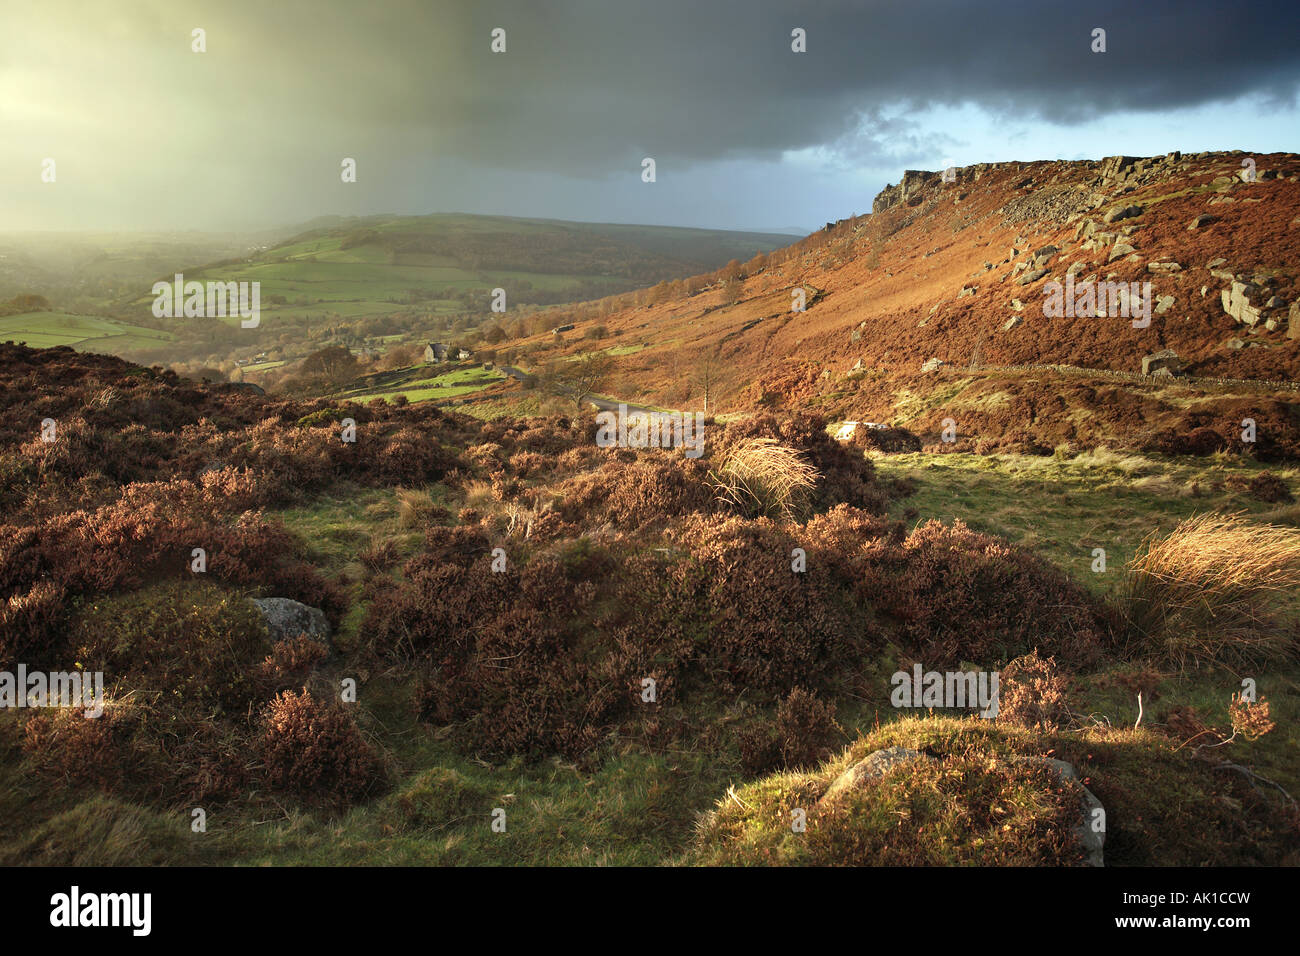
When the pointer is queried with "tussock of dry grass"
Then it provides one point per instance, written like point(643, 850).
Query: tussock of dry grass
point(762, 477)
point(1214, 589)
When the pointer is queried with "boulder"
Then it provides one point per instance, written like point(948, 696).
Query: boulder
point(1120, 250)
point(1236, 301)
point(287, 619)
point(933, 365)
point(1032, 276)
point(1165, 358)
point(1164, 268)
point(1163, 304)
point(1204, 219)
point(1011, 323)
point(1122, 212)
point(875, 766)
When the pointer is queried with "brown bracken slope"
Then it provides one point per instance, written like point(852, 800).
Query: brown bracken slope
point(959, 271)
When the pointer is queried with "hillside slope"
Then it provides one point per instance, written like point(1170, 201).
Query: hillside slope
point(960, 271)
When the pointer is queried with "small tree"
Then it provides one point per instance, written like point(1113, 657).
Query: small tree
point(580, 377)
point(706, 376)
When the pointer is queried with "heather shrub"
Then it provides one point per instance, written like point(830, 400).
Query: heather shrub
point(951, 594)
point(31, 624)
point(649, 490)
point(801, 734)
point(1269, 487)
point(63, 744)
point(1032, 693)
point(312, 748)
point(290, 663)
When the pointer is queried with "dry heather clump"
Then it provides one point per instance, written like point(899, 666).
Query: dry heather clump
point(291, 660)
point(1250, 719)
point(763, 478)
point(308, 747)
point(801, 735)
point(1032, 693)
point(1214, 589)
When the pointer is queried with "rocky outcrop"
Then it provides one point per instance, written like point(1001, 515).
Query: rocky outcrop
point(1165, 359)
point(1240, 300)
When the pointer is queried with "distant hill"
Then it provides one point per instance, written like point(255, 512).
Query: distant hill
point(376, 265)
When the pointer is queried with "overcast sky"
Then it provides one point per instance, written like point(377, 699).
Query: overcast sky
point(745, 133)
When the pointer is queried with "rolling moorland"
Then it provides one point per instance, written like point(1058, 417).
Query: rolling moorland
point(510, 683)
point(367, 283)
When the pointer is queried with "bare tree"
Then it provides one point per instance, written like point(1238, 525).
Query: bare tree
point(579, 378)
point(707, 370)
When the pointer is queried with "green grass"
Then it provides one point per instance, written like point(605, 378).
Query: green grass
point(85, 332)
point(1063, 509)
point(423, 388)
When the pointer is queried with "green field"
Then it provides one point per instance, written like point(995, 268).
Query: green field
point(421, 387)
point(88, 333)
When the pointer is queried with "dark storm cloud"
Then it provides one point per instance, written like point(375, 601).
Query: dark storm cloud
point(253, 131)
point(585, 85)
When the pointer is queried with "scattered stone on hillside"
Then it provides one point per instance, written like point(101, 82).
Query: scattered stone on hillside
point(1013, 253)
point(1074, 269)
point(933, 365)
point(855, 336)
point(1032, 276)
point(1224, 275)
point(287, 619)
point(1122, 212)
point(857, 367)
point(1202, 220)
point(1215, 263)
point(1293, 321)
point(1221, 182)
point(1164, 268)
point(1165, 358)
point(1275, 302)
point(1017, 304)
point(1220, 201)
point(966, 291)
point(1120, 250)
point(1164, 303)
point(1011, 323)
point(1204, 290)
point(1045, 255)
point(1237, 302)
point(1091, 838)
point(873, 767)
point(1132, 230)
